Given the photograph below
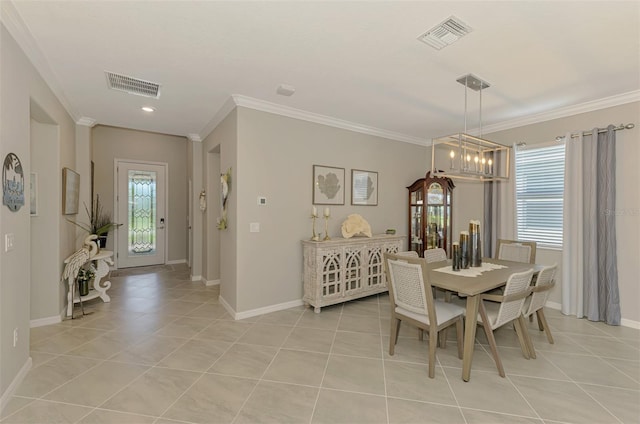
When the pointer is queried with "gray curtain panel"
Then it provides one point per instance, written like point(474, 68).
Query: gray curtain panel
point(601, 295)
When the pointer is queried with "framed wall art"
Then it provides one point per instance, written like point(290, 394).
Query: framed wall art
point(70, 191)
point(12, 183)
point(364, 187)
point(328, 185)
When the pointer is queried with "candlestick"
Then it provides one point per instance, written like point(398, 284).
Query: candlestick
point(476, 162)
point(326, 225)
point(484, 167)
point(490, 166)
point(327, 214)
point(314, 216)
point(452, 154)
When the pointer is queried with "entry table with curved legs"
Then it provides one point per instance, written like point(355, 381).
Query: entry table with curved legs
point(101, 261)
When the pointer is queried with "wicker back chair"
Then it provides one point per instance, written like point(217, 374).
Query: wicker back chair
point(435, 255)
point(411, 300)
point(535, 303)
point(517, 251)
point(506, 308)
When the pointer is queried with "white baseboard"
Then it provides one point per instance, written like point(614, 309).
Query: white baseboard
point(265, 310)
point(211, 282)
point(6, 396)
point(226, 306)
point(553, 305)
point(629, 323)
point(623, 322)
point(196, 278)
point(176, 262)
point(45, 321)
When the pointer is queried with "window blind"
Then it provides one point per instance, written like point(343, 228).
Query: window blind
point(539, 195)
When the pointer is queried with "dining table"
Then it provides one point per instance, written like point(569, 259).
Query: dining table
point(472, 283)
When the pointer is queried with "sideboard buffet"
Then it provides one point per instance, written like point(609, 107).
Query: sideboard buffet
point(341, 269)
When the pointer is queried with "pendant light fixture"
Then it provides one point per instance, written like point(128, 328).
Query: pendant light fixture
point(464, 156)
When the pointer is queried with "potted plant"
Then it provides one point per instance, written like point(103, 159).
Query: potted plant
point(100, 222)
point(84, 279)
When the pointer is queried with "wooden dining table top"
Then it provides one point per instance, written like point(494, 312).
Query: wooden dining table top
point(472, 286)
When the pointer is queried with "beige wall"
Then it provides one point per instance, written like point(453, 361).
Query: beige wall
point(110, 143)
point(627, 194)
point(20, 84)
point(220, 152)
point(275, 156)
point(45, 285)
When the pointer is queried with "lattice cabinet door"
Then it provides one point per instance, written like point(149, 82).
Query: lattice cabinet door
point(353, 269)
point(331, 270)
point(375, 264)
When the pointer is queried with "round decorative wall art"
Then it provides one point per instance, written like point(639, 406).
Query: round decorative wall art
point(12, 182)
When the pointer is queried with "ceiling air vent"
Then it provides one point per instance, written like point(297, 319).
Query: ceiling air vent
point(446, 33)
point(132, 85)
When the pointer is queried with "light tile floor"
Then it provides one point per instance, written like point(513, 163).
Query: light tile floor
point(165, 351)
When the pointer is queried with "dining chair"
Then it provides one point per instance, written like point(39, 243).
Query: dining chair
point(435, 255)
point(504, 309)
point(535, 303)
point(517, 251)
point(412, 300)
point(408, 253)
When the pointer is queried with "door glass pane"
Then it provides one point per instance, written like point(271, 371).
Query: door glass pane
point(142, 212)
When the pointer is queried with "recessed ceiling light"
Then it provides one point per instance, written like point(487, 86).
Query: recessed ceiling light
point(148, 109)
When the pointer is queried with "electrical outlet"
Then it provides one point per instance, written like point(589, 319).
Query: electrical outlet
point(15, 337)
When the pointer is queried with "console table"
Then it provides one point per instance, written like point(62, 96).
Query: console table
point(102, 260)
point(339, 270)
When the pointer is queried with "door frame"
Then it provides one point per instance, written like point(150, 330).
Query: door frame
point(165, 165)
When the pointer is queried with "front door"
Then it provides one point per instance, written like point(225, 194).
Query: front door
point(141, 211)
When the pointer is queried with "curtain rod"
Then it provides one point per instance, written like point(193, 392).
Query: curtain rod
point(600, 130)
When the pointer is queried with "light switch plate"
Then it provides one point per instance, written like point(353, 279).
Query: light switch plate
point(254, 227)
point(262, 201)
point(8, 242)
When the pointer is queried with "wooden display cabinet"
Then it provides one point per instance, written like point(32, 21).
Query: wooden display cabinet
point(430, 206)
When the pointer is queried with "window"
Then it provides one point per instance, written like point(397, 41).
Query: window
point(539, 195)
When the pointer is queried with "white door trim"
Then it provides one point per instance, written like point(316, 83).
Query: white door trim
point(165, 165)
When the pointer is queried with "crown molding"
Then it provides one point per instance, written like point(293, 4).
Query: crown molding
point(20, 32)
point(194, 137)
point(304, 115)
point(222, 113)
point(617, 100)
point(87, 122)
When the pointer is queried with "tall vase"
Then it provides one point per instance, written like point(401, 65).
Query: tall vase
point(464, 249)
point(474, 240)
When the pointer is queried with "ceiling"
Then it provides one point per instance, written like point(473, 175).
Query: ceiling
point(356, 64)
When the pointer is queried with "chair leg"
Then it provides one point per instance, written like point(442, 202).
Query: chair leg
point(543, 322)
point(393, 336)
point(433, 340)
point(442, 338)
point(459, 336)
point(523, 336)
point(492, 341)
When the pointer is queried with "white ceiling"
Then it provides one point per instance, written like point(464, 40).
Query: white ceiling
point(357, 62)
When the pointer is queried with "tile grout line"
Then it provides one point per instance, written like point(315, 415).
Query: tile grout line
point(384, 369)
point(266, 368)
point(326, 365)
